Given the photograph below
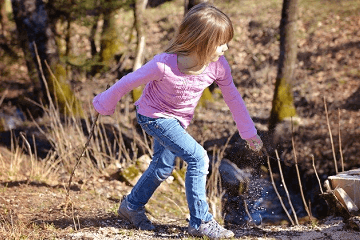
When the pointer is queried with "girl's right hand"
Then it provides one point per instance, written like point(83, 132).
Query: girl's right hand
point(255, 143)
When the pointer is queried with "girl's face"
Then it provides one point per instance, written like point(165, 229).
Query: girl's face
point(220, 50)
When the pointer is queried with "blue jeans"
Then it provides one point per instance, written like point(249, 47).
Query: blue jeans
point(171, 141)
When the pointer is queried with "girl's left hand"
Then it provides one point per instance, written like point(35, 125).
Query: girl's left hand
point(255, 143)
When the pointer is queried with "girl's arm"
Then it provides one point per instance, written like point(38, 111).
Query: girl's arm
point(234, 101)
point(105, 102)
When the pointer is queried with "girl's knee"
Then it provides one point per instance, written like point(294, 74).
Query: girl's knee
point(206, 161)
point(199, 164)
point(163, 175)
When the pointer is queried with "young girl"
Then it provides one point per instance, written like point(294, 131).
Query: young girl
point(174, 82)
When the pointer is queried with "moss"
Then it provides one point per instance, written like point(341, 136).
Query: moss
point(65, 97)
point(2, 125)
point(283, 104)
point(110, 46)
point(136, 93)
point(182, 172)
point(130, 175)
point(110, 42)
point(205, 98)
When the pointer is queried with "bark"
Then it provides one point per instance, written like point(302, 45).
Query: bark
point(207, 95)
point(36, 32)
point(3, 18)
point(109, 42)
point(283, 103)
point(92, 36)
point(140, 38)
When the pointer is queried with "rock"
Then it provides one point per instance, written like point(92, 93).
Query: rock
point(130, 175)
point(349, 181)
point(143, 162)
point(113, 171)
point(233, 178)
point(345, 200)
point(353, 223)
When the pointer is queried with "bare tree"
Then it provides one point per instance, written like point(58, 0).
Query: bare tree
point(140, 6)
point(283, 103)
point(3, 17)
point(207, 95)
point(36, 33)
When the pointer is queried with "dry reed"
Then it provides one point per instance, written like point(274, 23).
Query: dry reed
point(277, 192)
point(298, 172)
point(317, 176)
point(286, 190)
point(331, 138)
point(340, 147)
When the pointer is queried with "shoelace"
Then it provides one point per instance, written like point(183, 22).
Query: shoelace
point(213, 229)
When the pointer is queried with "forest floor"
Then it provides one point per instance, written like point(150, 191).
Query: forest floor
point(328, 68)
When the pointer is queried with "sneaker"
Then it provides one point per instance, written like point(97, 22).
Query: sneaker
point(136, 217)
point(210, 229)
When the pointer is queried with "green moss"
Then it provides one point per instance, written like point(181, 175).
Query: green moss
point(111, 45)
point(284, 104)
point(182, 172)
point(2, 125)
point(130, 175)
point(110, 42)
point(136, 93)
point(205, 98)
point(65, 97)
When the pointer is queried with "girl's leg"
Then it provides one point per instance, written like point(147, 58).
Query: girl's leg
point(160, 168)
point(171, 135)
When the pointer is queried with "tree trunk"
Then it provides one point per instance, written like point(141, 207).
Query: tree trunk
point(3, 18)
point(140, 38)
point(283, 103)
point(109, 42)
point(35, 32)
point(92, 36)
point(207, 95)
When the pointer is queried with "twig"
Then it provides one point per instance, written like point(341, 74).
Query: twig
point(3, 96)
point(176, 205)
point(81, 155)
point(277, 193)
point(298, 173)
point(331, 138)
point(317, 176)
point(340, 148)
point(226, 144)
point(247, 211)
point(285, 188)
point(43, 75)
point(30, 153)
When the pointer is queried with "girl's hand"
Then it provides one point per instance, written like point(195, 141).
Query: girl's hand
point(255, 143)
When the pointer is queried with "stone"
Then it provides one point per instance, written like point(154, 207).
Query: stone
point(349, 181)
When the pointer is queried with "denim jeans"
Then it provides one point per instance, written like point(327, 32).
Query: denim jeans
point(171, 141)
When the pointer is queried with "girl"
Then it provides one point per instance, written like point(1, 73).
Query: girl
point(174, 82)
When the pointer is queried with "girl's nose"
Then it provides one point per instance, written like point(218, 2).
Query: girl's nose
point(225, 47)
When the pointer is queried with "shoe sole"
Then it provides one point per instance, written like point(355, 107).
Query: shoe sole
point(127, 219)
point(123, 216)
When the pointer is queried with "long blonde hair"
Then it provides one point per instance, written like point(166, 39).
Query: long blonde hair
point(202, 30)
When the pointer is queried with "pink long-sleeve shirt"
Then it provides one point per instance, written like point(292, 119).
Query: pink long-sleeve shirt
point(169, 93)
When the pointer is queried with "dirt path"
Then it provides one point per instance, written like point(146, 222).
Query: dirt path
point(36, 211)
